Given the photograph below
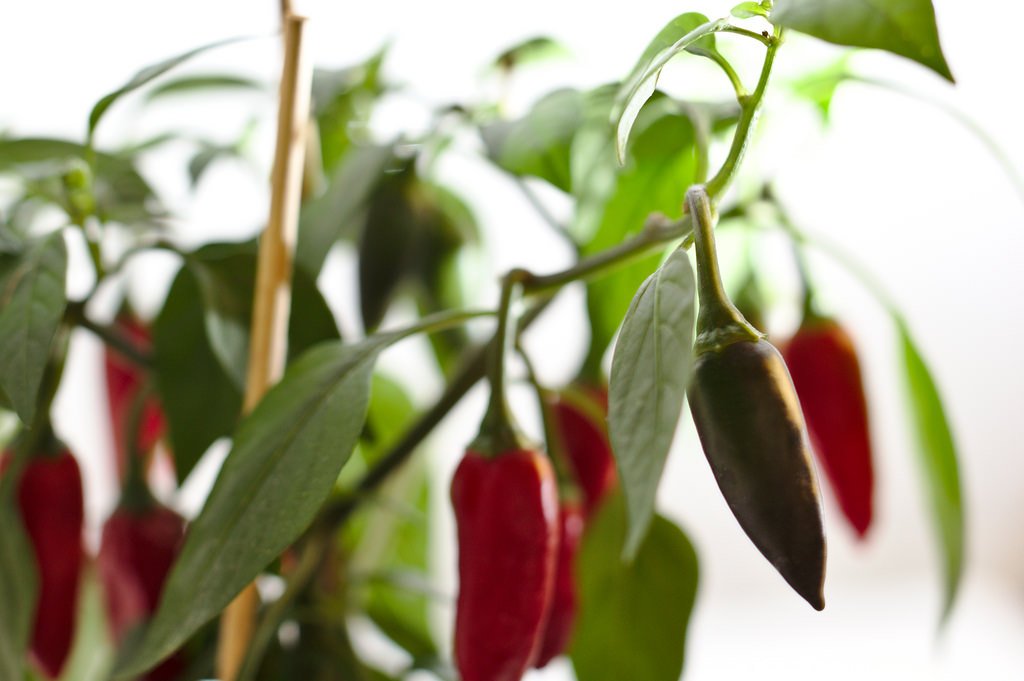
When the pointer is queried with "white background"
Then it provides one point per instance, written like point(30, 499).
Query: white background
point(902, 186)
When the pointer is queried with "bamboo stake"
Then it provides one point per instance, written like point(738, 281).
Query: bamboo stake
point(272, 296)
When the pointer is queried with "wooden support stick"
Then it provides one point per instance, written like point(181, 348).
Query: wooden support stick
point(272, 297)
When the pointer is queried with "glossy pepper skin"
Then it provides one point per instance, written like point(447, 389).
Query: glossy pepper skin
point(125, 379)
point(749, 422)
point(826, 372)
point(564, 599)
point(580, 421)
point(137, 549)
point(506, 512)
point(751, 428)
point(50, 499)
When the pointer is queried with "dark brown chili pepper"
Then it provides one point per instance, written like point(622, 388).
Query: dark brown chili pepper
point(751, 427)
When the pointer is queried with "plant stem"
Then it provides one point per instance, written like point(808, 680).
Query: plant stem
point(749, 108)
point(759, 37)
point(719, 323)
point(730, 72)
point(75, 314)
point(655, 233)
point(498, 432)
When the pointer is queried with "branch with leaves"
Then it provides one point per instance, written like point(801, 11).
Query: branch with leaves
point(310, 492)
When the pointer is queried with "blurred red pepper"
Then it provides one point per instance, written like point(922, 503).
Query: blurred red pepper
point(125, 378)
point(139, 544)
point(579, 417)
point(51, 504)
point(562, 617)
point(506, 510)
point(826, 372)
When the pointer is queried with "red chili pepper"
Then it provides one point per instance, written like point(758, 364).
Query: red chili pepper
point(50, 499)
point(125, 378)
point(137, 550)
point(506, 510)
point(826, 372)
point(580, 421)
point(562, 617)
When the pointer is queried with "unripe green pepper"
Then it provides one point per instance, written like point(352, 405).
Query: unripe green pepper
point(749, 421)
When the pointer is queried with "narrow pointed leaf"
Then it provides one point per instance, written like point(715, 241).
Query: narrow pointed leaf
point(17, 588)
point(690, 29)
point(203, 84)
point(32, 306)
point(146, 75)
point(186, 367)
point(335, 214)
point(650, 372)
point(286, 457)
point(939, 461)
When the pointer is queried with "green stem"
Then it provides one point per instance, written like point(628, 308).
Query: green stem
point(719, 323)
point(730, 72)
point(314, 550)
point(655, 233)
point(809, 309)
point(749, 108)
point(75, 314)
point(442, 321)
point(135, 494)
point(759, 37)
point(498, 432)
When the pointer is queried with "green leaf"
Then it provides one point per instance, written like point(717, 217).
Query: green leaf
point(92, 651)
point(903, 27)
point(402, 543)
point(32, 306)
point(205, 157)
point(650, 371)
point(445, 248)
point(939, 460)
point(202, 343)
point(146, 75)
point(819, 87)
point(202, 84)
point(642, 607)
point(538, 144)
point(286, 457)
point(336, 213)
point(18, 588)
point(685, 31)
point(391, 411)
point(662, 165)
point(747, 10)
point(120, 192)
point(343, 100)
point(200, 400)
point(539, 48)
point(387, 245)
point(226, 273)
point(412, 234)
